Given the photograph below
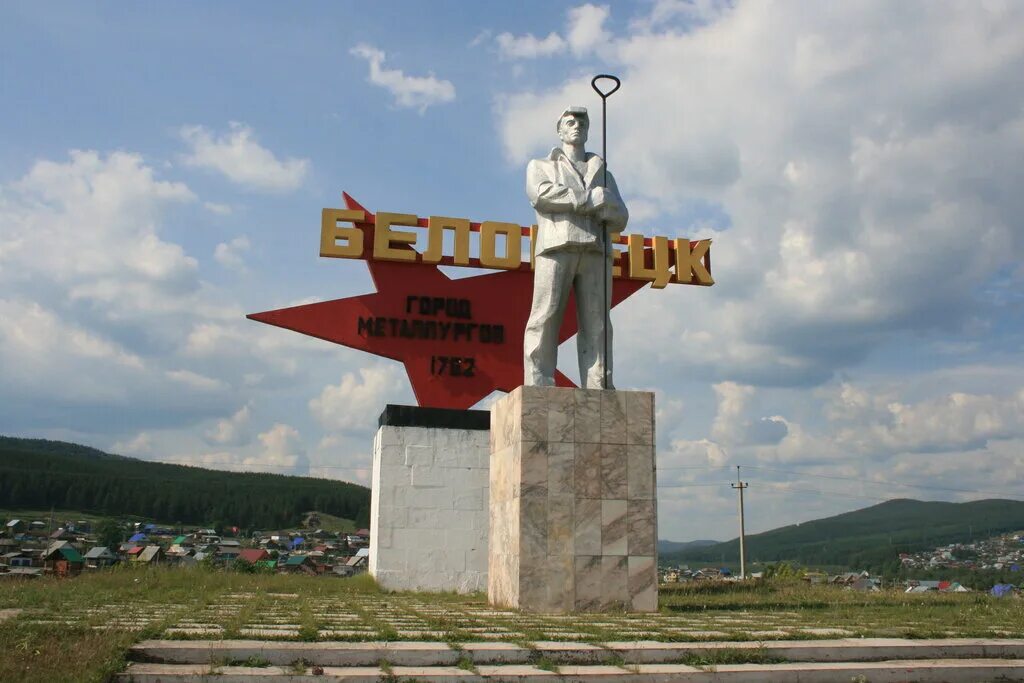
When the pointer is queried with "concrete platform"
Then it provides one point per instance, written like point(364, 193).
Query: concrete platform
point(922, 671)
point(416, 653)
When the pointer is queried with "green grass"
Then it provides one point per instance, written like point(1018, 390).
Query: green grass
point(80, 629)
point(336, 524)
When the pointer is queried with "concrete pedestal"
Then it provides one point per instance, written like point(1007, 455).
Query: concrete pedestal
point(428, 504)
point(573, 514)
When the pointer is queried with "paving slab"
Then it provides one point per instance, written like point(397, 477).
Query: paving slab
point(571, 653)
point(838, 650)
point(283, 653)
point(933, 671)
point(497, 653)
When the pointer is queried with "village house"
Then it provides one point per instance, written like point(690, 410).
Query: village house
point(228, 551)
point(253, 556)
point(299, 564)
point(359, 539)
point(100, 557)
point(61, 559)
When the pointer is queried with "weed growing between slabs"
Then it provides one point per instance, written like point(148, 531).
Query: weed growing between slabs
point(80, 629)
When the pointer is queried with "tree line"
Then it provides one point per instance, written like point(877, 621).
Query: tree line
point(38, 474)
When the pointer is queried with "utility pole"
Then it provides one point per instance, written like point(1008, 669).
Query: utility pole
point(739, 486)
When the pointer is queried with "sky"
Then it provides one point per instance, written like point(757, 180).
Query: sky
point(857, 166)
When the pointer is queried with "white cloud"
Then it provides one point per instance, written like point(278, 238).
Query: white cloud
point(414, 92)
point(954, 421)
point(848, 170)
point(195, 380)
point(282, 451)
point(114, 202)
point(686, 12)
point(219, 209)
point(238, 156)
point(229, 254)
point(355, 403)
point(585, 31)
point(584, 34)
point(684, 453)
point(529, 46)
point(233, 430)
point(729, 425)
point(101, 310)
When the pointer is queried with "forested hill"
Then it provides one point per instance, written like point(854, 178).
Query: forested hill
point(871, 538)
point(38, 474)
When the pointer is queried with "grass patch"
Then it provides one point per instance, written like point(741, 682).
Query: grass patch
point(254, 661)
point(41, 654)
point(728, 655)
point(545, 663)
point(80, 629)
point(466, 664)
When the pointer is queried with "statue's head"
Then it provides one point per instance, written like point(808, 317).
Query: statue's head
point(574, 125)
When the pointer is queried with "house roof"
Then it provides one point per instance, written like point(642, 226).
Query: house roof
point(295, 560)
point(136, 550)
point(13, 523)
point(23, 571)
point(70, 554)
point(178, 540)
point(253, 555)
point(54, 547)
point(149, 553)
point(269, 564)
point(138, 537)
point(98, 552)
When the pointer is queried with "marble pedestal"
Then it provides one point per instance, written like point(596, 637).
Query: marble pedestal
point(573, 513)
point(428, 501)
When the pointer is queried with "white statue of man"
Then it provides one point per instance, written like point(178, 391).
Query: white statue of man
point(575, 215)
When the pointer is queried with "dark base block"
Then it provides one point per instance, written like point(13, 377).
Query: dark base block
point(437, 418)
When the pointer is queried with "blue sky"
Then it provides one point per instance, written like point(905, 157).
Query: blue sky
point(162, 170)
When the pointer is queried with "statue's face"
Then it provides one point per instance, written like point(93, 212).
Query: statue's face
point(573, 128)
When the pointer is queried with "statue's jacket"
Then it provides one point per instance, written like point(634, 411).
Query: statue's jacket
point(561, 197)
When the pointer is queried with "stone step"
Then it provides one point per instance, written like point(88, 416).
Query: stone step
point(897, 671)
point(409, 653)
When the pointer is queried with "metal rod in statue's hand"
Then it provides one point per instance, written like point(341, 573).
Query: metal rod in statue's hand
point(604, 232)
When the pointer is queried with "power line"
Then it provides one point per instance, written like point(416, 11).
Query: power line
point(692, 484)
point(697, 467)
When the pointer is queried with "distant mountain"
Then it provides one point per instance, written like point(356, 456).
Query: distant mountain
point(677, 546)
point(36, 474)
point(870, 538)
